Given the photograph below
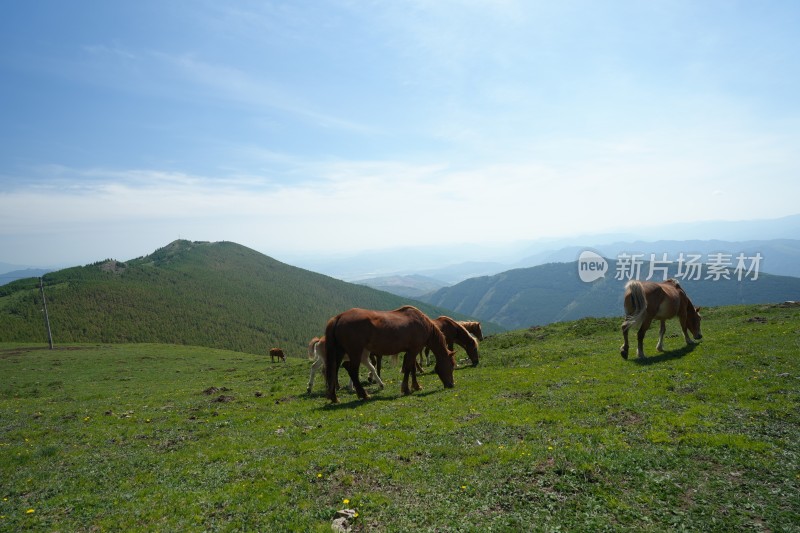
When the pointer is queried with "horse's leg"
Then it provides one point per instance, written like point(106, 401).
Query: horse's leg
point(408, 366)
point(372, 360)
point(414, 383)
point(640, 337)
point(373, 372)
point(352, 369)
point(685, 329)
point(318, 363)
point(350, 386)
point(623, 351)
point(661, 331)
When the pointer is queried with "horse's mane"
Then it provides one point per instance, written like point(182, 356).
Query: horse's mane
point(437, 334)
point(462, 329)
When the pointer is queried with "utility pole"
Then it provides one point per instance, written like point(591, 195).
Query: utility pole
point(46, 317)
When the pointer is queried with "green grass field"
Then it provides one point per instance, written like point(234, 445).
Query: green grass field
point(552, 431)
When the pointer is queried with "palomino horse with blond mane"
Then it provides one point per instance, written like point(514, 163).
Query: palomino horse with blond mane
point(646, 301)
point(361, 331)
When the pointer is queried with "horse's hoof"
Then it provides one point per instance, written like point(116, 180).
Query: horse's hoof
point(366, 397)
point(624, 353)
point(418, 387)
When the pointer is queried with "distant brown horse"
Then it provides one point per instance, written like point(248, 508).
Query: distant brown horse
point(646, 301)
point(361, 331)
point(276, 353)
point(457, 333)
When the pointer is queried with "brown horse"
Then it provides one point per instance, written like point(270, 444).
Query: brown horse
point(276, 353)
point(646, 301)
point(474, 328)
point(361, 331)
point(457, 333)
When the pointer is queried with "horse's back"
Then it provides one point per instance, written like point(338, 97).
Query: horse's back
point(382, 332)
point(662, 299)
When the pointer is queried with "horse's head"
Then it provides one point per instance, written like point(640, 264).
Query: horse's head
point(444, 369)
point(472, 352)
point(477, 331)
point(693, 321)
point(444, 357)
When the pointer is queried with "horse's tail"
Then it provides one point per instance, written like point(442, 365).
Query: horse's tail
point(332, 350)
point(312, 345)
point(635, 318)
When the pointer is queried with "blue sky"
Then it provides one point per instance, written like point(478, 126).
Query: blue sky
point(292, 127)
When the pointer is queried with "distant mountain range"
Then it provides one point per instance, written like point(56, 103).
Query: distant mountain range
point(554, 292)
point(776, 239)
point(13, 275)
point(228, 296)
point(412, 286)
point(220, 295)
point(779, 256)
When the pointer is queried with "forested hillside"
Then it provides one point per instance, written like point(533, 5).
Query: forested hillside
point(554, 292)
point(220, 295)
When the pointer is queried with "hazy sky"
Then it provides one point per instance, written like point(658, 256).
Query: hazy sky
point(322, 125)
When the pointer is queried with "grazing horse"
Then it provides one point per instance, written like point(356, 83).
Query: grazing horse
point(276, 352)
point(474, 328)
point(647, 300)
point(361, 331)
point(457, 332)
point(316, 353)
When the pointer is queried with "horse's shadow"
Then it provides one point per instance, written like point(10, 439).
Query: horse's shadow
point(356, 402)
point(666, 356)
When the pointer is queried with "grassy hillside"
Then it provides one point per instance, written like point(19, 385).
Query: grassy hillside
point(553, 431)
point(219, 295)
point(554, 292)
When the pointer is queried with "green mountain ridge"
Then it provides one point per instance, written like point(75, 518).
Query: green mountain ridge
point(219, 295)
point(554, 292)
